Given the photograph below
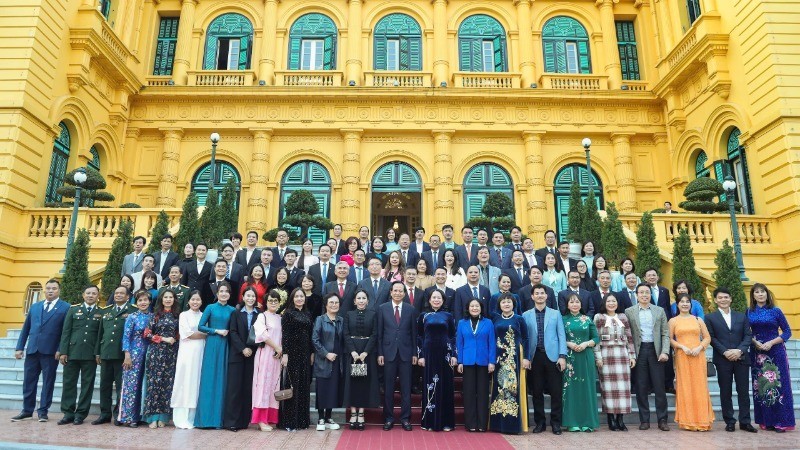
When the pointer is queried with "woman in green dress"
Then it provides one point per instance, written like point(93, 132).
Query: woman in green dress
point(580, 376)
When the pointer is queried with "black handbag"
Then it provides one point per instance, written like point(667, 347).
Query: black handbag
point(711, 369)
point(251, 337)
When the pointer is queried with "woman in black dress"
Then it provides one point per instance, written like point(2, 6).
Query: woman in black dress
point(298, 357)
point(360, 342)
point(313, 301)
point(328, 346)
point(436, 347)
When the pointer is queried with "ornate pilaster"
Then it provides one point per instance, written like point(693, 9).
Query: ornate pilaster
point(353, 64)
point(351, 177)
point(440, 64)
point(623, 163)
point(526, 64)
point(257, 204)
point(183, 47)
point(266, 67)
point(443, 178)
point(613, 67)
point(168, 178)
point(536, 209)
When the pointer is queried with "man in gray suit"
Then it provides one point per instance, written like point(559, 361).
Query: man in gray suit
point(374, 280)
point(651, 342)
point(133, 262)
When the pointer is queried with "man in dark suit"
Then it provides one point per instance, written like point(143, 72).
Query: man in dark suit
point(77, 347)
point(377, 287)
point(525, 294)
point(730, 338)
point(358, 272)
point(473, 289)
point(250, 255)
point(339, 248)
point(109, 354)
point(397, 335)
point(660, 294)
point(295, 275)
point(41, 332)
point(279, 251)
point(563, 261)
point(434, 257)
point(550, 246)
point(529, 254)
point(324, 271)
point(440, 278)
point(499, 254)
point(132, 262)
point(341, 286)
point(166, 258)
point(198, 272)
point(408, 254)
point(516, 239)
point(414, 295)
point(265, 261)
point(628, 293)
point(467, 252)
point(419, 245)
point(209, 291)
point(516, 271)
point(235, 271)
point(573, 287)
point(597, 297)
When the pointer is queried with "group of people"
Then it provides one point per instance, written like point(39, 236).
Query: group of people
point(219, 344)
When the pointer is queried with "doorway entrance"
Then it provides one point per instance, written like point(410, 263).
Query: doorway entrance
point(396, 199)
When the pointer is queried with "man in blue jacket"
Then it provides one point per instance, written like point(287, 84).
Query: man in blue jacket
point(42, 333)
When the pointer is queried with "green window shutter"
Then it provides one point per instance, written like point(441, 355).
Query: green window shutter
point(465, 54)
point(244, 53)
point(379, 63)
point(500, 63)
point(294, 53)
point(313, 26)
point(583, 57)
point(329, 54)
point(700, 169)
point(721, 170)
point(165, 46)
point(404, 50)
point(628, 54)
point(555, 35)
point(415, 53)
point(549, 56)
point(472, 206)
point(229, 26)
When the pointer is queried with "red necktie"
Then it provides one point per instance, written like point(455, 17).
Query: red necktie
point(397, 314)
point(411, 296)
point(341, 290)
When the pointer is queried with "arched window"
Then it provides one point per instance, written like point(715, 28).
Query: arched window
point(229, 42)
point(222, 172)
point(700, 169)
point(482, 45)
point(32, 295)
point(58, 165)
point(693, 10)
point(396, 176)
point(481, 180)
point(312, 43)
point(312, 177)
point(737, 164)
point(398, 43)
point(94, 163)
point(561, 188)
point(396, 198)
point(566, 46)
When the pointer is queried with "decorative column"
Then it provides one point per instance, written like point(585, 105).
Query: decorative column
point(613, 67)
point(257, 204)
point(183, 47)
point(351, 177)
point(146, 12)
point(534, 175)
point(168, 178)
point(440, 64)
point(353, 65)
point(443, 178)
point(623, 163)
point(526, 63)
point(266, 67)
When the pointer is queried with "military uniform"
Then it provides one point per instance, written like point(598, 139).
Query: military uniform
point(78, 342)
point(181, 296)
point(109, 350)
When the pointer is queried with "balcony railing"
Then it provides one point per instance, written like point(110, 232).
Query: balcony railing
point(574, 82)
point(324, 78)
point(637, 86)
point(488, 80)
point(221, 77)
point(398, 79)
point(706, 228)
point(159, 80)
point(45, 224)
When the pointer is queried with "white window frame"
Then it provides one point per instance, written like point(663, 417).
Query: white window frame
point(573, 63)
point(393, 54)
point(234, 48)
point(311, 54)
point(487, 55)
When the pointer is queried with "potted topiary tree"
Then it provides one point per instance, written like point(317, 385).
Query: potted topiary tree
point(497, 214)
point(701, 194)
point(90, 189)
point(575, 227)
point(302, 212)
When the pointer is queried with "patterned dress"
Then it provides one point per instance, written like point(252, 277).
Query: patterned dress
point(580, 377)
point(297, 327)
point(508, 410)
point(772, 387)
point(133, 341)
point(436, 334)
point(160, 366)
point(615, 351)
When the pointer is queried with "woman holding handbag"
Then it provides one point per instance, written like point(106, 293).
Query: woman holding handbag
point(327, 339)
point(361, 370)
point(267, 364)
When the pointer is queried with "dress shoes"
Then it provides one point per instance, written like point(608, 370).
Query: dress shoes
point(407, 425)
point(65, 421)
point(556, 429)
point(747, 427)
point(43, 418)
point(644, 426)
point(662, 425)
point(540, 427)
point(731, 427)
point(388, 425)
point(21, 416)
point(78, 422)
point(101, 420)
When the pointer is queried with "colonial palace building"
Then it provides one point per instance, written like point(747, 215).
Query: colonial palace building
point(406, 112)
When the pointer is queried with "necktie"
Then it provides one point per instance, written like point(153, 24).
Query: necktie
point(499, 255)
point(375, 286)
point(519, 272)
point(411, 295)
point(228, 273)
point(405, 257)
point(655, 295)
point(47, 306)
point(632, 296)
point(516, 246)
point(341, 290)
point(474, 292)
point(435, 260)
point(282, 253)
point(325, 272)
point(89, 311)
point(358, 274)
point(119, 309)
point(397, 314)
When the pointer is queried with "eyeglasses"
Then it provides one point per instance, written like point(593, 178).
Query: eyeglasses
point(273, 301)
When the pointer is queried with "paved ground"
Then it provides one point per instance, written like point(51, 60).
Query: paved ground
point(31, 434)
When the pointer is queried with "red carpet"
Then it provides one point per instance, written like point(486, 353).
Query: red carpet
point(375, 438)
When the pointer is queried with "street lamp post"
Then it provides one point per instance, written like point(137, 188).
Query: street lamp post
point(79, 178)
point(587, 145)
point(214, 141)
point(730, 190)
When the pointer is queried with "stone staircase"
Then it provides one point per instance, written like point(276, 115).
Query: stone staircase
point(11, 376)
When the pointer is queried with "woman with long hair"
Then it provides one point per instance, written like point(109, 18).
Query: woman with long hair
point(580, 377)
point(351, 244)
point(186, 387)
point(267, 364)
point(256, 280)
point(283, 286)
point(239, 392)
point(587, 283)
point(298, 358)
point(552, 277)
point(599, 264)
point(313, 300)
point(391, 241)
point(626, 266)
point(307, 258)
point(455, 274)
point(127, 282)
point(162, 356)
point(377, 249)
point(683, 287)
point(424, 278)
point(150, 284)
point(394, 268)
point(360, 343)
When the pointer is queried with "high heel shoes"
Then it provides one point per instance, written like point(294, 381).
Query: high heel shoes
point(360, 421)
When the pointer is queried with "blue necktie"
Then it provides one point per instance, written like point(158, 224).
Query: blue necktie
point(324, 272)
point(474, 292)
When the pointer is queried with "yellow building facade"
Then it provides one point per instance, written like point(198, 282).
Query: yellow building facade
point(399, 111)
